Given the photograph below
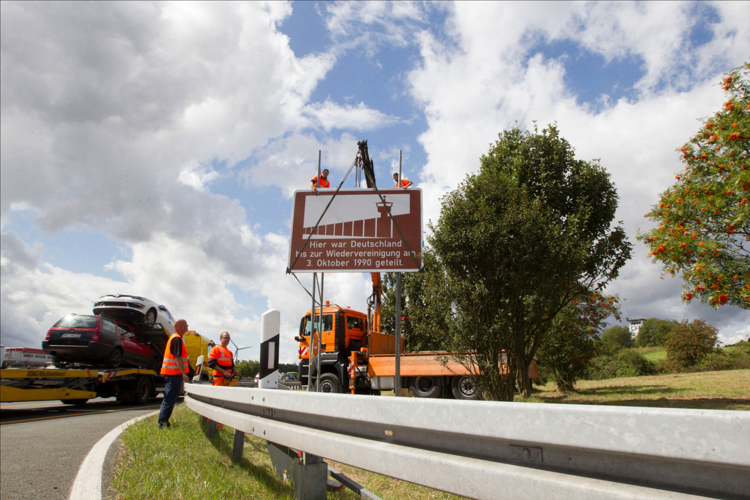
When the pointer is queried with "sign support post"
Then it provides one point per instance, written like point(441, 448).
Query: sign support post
point(316, 325)
point(397, 380)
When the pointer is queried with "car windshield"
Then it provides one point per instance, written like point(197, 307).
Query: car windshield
point(169, 315)
point(77, 322)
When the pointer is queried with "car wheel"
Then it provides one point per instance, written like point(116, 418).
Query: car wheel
point(425, 387)
point(114, 360)
point(143, 391)
point(465, 387)
point(329, 383)
point(150, 317)
point(74, 401)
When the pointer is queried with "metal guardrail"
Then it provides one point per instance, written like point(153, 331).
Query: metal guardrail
point(497, 450)
point(292, 384)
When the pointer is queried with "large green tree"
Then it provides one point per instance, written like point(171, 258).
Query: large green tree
point(703, 219)
point(654, 332)
point(515, 243)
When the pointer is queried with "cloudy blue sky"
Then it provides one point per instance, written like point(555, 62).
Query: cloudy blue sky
point(153, 148)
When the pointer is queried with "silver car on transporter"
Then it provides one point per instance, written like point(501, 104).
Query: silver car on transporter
point(134, 310)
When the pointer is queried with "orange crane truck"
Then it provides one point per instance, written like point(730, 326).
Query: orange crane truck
point(358, 359)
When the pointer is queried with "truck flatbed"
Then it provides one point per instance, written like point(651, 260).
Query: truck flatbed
point(67, 385)
point(417, 364)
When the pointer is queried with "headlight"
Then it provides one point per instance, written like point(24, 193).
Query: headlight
point(136, 305)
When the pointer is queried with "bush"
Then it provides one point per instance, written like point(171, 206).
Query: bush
point(663, 367)
point(626, 363)
point(737, 358)
point(616, 337)
point(688, 343)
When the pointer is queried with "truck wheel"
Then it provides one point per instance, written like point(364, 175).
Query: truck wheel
point(114, 360)
point(329, 383)
point(425, 387)
point(155, 364)
point(74, 401)
point(143, 391)
point(465, 387)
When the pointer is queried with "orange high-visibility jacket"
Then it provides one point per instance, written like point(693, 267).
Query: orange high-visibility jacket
point(323, 182)
point(223, 356)
point(404, 183)
point(169, 365)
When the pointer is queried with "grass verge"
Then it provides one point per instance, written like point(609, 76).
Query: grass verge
point(183, 463)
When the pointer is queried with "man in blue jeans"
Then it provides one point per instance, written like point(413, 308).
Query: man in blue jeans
point(174, 368)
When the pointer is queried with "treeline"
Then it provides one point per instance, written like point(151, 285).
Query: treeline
point(250, 368)
point(690, 347)
point(653, 332)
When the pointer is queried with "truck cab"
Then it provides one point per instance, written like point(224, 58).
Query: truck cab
point(343, 331)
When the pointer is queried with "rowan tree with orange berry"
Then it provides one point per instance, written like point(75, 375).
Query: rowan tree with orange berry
point(703, 231)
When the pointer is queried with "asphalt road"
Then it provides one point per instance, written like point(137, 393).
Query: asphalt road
point(42, 444)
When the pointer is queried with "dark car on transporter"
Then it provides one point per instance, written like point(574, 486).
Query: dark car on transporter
point(99, 340)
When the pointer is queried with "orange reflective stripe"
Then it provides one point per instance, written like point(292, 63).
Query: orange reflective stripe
point(222, 355)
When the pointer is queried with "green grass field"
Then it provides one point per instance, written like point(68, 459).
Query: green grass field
point(724, 390)
point(182, 462)
point(653, 354)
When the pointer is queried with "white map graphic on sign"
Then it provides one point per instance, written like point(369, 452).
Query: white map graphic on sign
point(351, 208)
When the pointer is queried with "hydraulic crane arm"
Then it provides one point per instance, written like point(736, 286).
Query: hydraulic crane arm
point(373, 303)
point(368, 166)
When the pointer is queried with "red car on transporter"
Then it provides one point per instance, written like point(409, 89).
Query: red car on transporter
point(99, 340)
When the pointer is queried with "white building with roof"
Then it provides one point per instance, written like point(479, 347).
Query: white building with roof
point(635, 326)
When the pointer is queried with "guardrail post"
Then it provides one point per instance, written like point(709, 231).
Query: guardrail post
point(211, 428)
point(270, 328)
point(308, 472)
point(238, 446)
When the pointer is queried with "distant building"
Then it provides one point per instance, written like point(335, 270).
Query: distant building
point(635, 326)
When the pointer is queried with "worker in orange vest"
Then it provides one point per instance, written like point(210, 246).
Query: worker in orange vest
point(220, 360)
point(323, 182)
point(174, 368)
point(405, 183)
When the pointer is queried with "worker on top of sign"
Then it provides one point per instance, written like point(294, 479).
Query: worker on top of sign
point(405, 183)
point(323, 182)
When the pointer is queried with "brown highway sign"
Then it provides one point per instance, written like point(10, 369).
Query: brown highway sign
point(360, 231)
